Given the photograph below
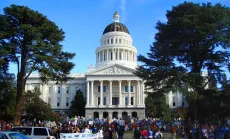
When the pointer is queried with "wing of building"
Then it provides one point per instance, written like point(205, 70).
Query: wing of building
point(110, 87)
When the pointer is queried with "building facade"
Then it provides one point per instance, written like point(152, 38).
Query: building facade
point(110, 88)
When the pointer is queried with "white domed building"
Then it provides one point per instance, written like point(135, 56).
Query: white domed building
point(110, 88)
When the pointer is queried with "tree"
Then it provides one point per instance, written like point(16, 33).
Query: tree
point(157, 107)
point(32, 42)
point(7, 100)
point(77, 107)
point(36, 108)
point(193, 40)
point(7, 91)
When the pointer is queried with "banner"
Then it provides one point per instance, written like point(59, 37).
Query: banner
point(78, 136)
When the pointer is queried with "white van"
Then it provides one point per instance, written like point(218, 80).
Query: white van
point(35, 132)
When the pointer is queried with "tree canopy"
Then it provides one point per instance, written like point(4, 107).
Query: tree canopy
point(36, 108)
point(77, 107)
point(32, 42)
point(190, 51)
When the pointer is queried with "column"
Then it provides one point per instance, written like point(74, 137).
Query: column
point(129, 100)
point(92, 98)
point(97, 56)
point(101, 93)
point(120, 97)
point(113, 54)
point(143, 93)
point(87, 93)
point(110, 93)
point(103, 56)
point(118, 54)
point(138, 93)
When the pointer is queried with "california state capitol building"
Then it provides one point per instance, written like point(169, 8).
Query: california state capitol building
point(110, 88)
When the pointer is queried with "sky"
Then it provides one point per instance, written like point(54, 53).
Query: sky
point(84, 21)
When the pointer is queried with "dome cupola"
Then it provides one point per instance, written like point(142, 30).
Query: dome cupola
point(116, 25)
point(116, 46)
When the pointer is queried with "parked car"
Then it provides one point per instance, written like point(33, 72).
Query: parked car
point(12, 135)
point(35, 132)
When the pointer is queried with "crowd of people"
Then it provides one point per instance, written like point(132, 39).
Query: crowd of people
point(140, 130)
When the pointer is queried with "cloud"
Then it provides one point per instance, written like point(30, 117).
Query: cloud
point(123, 10)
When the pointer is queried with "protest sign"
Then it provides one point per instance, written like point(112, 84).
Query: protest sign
point(78, 136)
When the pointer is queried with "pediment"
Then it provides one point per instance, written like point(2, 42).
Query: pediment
point(113, 70)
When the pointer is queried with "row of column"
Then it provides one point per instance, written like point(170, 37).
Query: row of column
point(138, 91)
point(115, 54)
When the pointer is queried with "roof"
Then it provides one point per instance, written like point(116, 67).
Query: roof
point(116, 26)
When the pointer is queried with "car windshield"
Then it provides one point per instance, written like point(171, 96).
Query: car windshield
point(17, 136)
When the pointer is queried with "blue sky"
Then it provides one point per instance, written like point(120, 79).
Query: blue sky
point(84, 21)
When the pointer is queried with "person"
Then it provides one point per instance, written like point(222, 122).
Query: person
point(158, 134)
point(87, 130)
point(101, 136)
point(144, 134)
point(110, 133)
point(137, 133)
point(173, 131)
point(150, 134)
point(120, 132)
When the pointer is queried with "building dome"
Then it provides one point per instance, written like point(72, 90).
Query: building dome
point(116, 26)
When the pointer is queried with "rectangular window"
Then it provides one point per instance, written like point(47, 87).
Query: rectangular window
point(59, 90)
point(119, 40)
point(111, 56)
point(98, 101)
point(131, 88)
point(112, 41)
point(50, 90)
point(120, 55)
point(104, 88)
point(126, 100)
point(57, 104)
point(116, 56)
point(115, 101)
point(67, 102)
point(126, 88)
point(107, 41)
point(104, 100)
point(67, 90)
point(99, 88)
point(131, 100)
point(116, 40)
point(58, 101)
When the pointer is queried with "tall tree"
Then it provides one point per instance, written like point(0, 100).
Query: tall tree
point(194, 39)
point(30, 40)
point(77, 107)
